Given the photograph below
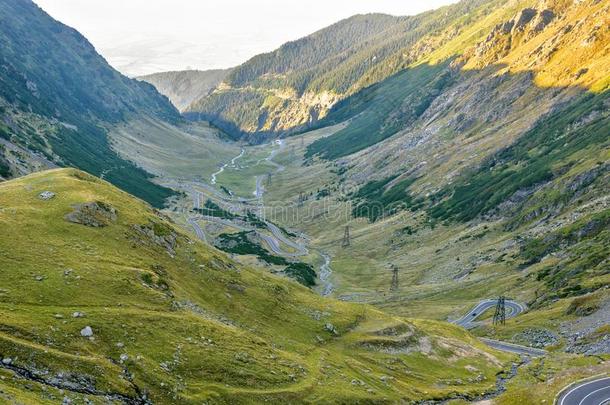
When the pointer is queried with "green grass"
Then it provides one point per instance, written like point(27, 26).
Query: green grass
point(242, 181)
point(537, 157)
point(195, 325)
point(191, 151)
point(542, 379)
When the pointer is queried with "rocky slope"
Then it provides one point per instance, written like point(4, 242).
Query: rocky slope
point(105, 299)
point(58, 97)
point(482, 79)
point(186, 86)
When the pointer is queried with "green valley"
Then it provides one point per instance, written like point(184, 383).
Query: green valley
point(393, 209)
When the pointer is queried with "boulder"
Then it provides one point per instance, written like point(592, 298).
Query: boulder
point(86, 331)
point(46, 195)
point(95, 214)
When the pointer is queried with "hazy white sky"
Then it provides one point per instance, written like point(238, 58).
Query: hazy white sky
point(146, 36)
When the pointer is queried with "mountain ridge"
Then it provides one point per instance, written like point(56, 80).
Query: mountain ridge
point(317, 82)
point(186, 86)
point(468, 161)
point(53, 75)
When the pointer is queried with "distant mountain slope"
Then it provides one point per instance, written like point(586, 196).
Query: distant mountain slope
point(184, 87)
point(58, 96)
point(467, 136)
point(524, 53)
point(104, 299)
point(296, 85)
point(350, 67)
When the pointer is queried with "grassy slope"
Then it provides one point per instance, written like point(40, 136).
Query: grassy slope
point(194, 326)
point(476, 48)
point(170, 151)
point(373, 106)
point(241, 180)
point(447, 268)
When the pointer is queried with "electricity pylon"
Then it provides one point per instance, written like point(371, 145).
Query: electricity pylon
point(346, 239)
point(394, 285)
point(500, 314)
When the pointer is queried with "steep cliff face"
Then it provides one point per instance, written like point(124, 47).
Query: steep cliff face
point(58, 96)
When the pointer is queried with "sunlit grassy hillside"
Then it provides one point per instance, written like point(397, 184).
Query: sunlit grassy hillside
point(173, 320)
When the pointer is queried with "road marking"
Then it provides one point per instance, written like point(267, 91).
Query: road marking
point(580, 386)
point(593, 392)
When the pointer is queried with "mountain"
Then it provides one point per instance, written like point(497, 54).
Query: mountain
point(105, 299)
point(332, 75)
point(478, 169)
point(184, 87)
point(482, 77)
point(58, 97)
point(426, 165)
point(298, 83)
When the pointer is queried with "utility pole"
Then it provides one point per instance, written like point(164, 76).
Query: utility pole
point(394, 285)
point(500, 314)
point(301, 198)
point(346, 239)
point(269, 178)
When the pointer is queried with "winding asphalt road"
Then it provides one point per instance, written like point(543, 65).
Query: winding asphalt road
point(277, 236)
point(513, 348)
point(591, 392)
point(198, 231)
point(513, 309)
